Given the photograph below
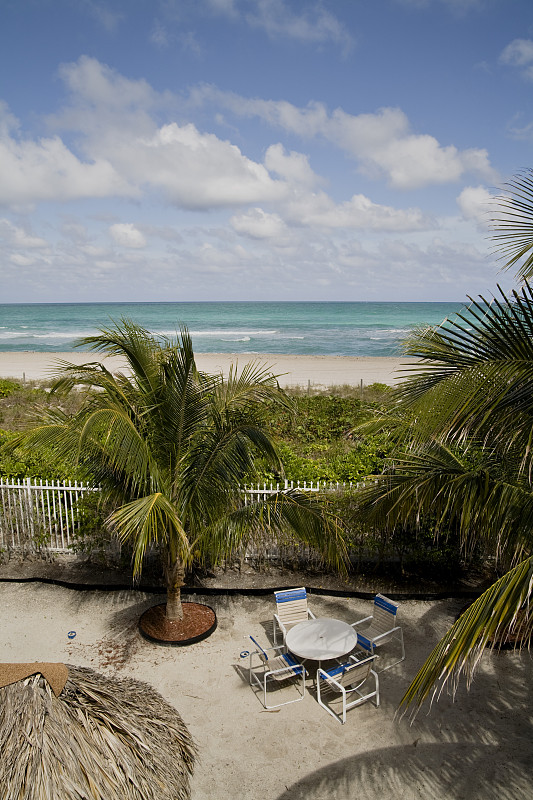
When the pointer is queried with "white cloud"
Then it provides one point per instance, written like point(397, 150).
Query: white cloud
point(46, 169)
point(359, 213)
point(17, 237)
point(159, 35)
point(197, 170)
point(475, 203)
point(102, 14)
point(257, 224)
point(194, 170)
point(125, 152)
point(315, 24)
point(460, 7)
point(293, 167)
point(223, 7)
point(279, 20)
point(127, 235)
point(382, 142)
point(519, 53)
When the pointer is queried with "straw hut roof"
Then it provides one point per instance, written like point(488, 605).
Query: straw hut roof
point(100, 738)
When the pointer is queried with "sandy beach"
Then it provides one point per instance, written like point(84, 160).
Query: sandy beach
point(478, 747)
point(293, 370)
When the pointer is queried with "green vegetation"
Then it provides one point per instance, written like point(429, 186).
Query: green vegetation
point(464, 427)
point(7, 387)
point(171, 447)
point(313, 434)
point(17, 406)
point(315, 437)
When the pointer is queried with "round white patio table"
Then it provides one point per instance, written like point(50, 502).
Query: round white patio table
point(321, 639)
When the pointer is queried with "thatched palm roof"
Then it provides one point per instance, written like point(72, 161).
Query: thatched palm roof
point(100, 739)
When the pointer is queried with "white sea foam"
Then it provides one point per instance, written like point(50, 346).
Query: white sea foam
point(60, 335)
point(312, 328)
point(220, 334)
point(10, 335)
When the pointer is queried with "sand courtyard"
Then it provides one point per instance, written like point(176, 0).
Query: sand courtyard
point(479, 746)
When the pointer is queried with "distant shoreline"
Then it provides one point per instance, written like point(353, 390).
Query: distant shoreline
point(293, 370)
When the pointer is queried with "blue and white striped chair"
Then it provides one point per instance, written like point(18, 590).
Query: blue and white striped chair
point(278, 668)
point(336, 686)
point(382, 628)
point(291, 608)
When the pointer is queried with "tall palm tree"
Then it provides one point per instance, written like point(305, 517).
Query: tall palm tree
point(466, 416)
point(171, 446)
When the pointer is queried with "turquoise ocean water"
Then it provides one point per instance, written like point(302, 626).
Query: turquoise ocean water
point(343, 329)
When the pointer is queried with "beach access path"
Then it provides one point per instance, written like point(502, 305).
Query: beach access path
point(292, 370)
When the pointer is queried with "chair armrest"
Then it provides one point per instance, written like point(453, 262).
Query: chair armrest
point(280, 648)
point(386, 633)
point(364, 660)
point(360, 621)
point(281, 626)
point(321, 674)
point(295, 669)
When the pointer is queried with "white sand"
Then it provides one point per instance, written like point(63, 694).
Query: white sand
point(294, 370)
point(478, 748)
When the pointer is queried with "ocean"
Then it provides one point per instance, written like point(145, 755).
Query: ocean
point(307, 328)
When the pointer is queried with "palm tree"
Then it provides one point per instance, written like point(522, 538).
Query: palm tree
point(171, 446)
point(466, 423)
point(513, 224)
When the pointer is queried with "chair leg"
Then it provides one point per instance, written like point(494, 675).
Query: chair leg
point(287, 702)
point(394, 663)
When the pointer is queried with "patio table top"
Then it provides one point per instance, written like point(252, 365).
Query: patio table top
point(321, 639)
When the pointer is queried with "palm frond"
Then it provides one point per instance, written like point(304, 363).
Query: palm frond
point(248, 388)
point(134, 344)
point(148, 520)
point(304, 516)
point(476, 380)
point(460, 650)
point(454, 490)
point(512, 224)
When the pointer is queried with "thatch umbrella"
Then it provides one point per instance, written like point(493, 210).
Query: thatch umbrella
point(100, 739)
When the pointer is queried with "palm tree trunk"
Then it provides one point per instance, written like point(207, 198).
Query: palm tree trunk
point(175, 579)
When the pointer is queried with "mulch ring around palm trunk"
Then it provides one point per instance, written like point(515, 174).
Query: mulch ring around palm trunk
point(512, 638)
point(199, 621)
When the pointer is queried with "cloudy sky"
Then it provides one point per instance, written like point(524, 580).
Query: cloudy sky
point(258, 149)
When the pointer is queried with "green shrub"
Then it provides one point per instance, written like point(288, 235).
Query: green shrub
point(7, 387)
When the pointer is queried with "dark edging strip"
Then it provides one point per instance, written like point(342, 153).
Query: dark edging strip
point(211, 592)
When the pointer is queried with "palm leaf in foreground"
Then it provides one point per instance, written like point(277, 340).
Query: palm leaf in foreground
point(512, 226)
point(503, 608)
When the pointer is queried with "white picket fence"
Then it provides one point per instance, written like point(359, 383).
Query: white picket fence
point(261, 491)
point(37, 515)
point(45, 515)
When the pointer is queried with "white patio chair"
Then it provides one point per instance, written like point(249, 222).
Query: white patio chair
point(382, 628)
point(269, 670)
point(336, 686)
point(291, 608)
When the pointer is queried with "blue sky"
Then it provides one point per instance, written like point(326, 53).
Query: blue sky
point(258, 149)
